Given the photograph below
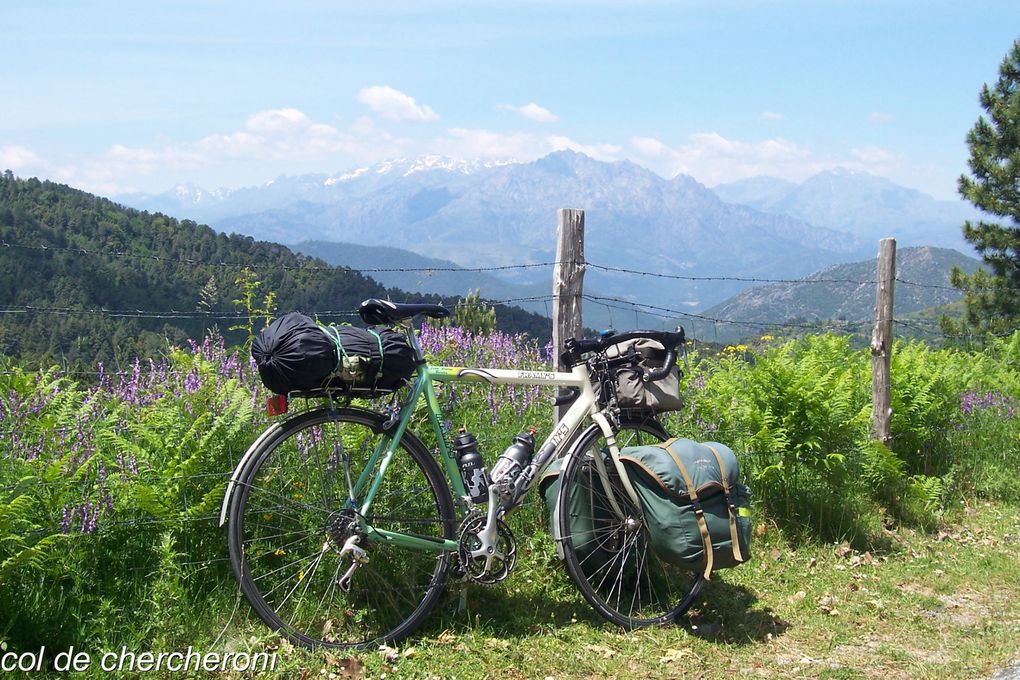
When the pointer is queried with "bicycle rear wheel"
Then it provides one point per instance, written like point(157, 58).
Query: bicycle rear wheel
point(607, 555)
point(293, 512)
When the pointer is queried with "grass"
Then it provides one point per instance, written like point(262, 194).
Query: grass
point(152, 577)
point(939, 605)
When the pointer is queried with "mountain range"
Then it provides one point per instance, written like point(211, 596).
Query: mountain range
point(498, 215)
point(693, 244)
point(869, 207)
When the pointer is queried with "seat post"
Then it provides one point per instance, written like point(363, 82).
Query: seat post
point(412, 337)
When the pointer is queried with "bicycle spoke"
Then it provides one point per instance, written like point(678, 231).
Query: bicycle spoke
point(308, 581)
point(290, 508)
point(609, 556)
point(309, 556)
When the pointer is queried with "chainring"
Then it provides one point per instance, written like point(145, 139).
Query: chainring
point(474, 566)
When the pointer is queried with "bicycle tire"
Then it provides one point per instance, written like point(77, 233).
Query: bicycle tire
point(287, 503)
point(609, 561)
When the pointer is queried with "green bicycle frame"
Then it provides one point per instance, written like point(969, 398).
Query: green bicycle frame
point(423, 387)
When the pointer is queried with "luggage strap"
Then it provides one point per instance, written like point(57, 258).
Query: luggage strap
point(334, 334)
point(729, 504)
point(382, 357)
point(699, 512)
point(341, 354)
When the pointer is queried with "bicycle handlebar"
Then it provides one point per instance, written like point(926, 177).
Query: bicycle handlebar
point(574, 348)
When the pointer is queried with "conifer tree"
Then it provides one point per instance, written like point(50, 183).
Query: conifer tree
point(993, 298)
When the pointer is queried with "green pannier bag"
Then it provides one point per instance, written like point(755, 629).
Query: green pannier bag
point(696, 511)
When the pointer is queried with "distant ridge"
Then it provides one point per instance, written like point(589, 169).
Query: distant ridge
point(864, 205)
point(840, 292)
point(71, 255)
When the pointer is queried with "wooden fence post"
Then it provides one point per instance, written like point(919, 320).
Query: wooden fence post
point(568, 280)
point(881, 343)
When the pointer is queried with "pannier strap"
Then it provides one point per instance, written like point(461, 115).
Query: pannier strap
point(729, 504)
point(706, 538)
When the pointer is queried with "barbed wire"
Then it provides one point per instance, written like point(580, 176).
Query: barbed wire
point(454, 269)
point(609, 302)
point(658, 310)
point(257, 265)
point(742, 279)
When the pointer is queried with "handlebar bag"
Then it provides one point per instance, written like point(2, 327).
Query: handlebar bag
point(632, 392)
point(293, 353)
point(696, 512)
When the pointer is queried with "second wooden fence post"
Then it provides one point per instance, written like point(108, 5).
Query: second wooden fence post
point(568, 284)
point(881, 343)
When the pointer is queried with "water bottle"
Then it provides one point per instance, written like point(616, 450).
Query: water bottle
point(472, 467)
point(514, 459)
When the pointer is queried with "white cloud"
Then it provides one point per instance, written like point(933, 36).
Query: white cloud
point(16, 157)
point(713, 159)
point(274, 140)
point(277, 121)
point(531, 111)
point(395, 105)
point(651, 148)
point(286, 140)
point(771, 115)
point(474, 143)
point(880, 118)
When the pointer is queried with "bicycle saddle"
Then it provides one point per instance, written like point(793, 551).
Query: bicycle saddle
point(375, 311)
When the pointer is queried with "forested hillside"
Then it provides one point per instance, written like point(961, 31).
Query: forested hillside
point(85, 279)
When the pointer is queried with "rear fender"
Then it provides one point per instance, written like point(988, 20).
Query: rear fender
point(241, 464)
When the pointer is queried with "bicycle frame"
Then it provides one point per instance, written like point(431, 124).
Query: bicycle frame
point(584, 406)
point(423, 387)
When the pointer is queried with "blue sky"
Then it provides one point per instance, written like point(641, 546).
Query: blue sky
point(119, 96)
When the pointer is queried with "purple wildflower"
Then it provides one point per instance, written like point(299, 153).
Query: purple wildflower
point(192, 383)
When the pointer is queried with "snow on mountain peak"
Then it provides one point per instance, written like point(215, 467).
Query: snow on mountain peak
point(345, 177)
point(195, 194)
point(406, 167)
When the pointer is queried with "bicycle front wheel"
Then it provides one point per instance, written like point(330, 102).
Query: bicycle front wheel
point(607, 552)
point(298, 504)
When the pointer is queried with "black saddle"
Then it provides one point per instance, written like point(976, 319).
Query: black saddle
point(377, 312)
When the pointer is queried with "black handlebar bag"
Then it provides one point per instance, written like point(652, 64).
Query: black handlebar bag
point(632, 392)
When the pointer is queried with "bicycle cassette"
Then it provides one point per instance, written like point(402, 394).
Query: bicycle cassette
point(482, 563)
